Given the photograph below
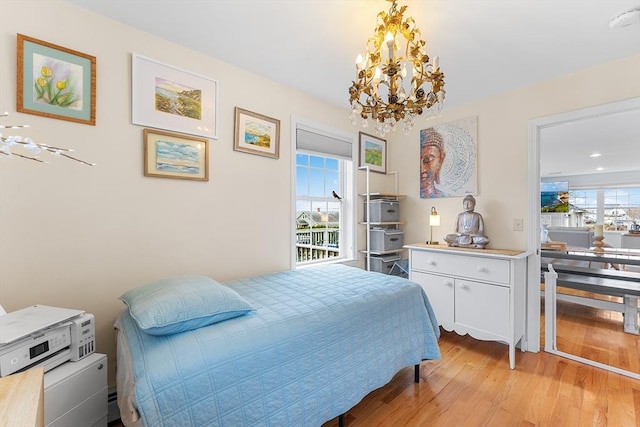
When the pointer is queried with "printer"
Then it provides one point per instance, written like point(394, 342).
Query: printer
point(44, 336)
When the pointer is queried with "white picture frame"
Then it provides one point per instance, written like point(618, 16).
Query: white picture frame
point(167, 97)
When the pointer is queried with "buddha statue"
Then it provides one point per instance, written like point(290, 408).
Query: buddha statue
point(469, 232)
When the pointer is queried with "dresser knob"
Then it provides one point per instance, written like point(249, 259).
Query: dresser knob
point(481, 269)
point(100, 366)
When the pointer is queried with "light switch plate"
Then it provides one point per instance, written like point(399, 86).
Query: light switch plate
point(518, 225)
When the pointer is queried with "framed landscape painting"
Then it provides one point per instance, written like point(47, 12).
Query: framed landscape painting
point(173, 155)
point(373, 153)
point(167, 97)
point(257, 134)
point(54, 81)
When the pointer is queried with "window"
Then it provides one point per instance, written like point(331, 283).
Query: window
point(324, 225)
point(619, 207)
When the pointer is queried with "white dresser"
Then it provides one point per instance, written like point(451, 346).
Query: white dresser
point(480, 292)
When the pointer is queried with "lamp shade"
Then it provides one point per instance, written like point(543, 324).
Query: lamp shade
point(434, 220)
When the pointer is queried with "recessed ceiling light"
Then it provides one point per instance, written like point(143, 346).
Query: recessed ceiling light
point(600, 168)
point(624, 19)
point(555, 173)
point(595, 155)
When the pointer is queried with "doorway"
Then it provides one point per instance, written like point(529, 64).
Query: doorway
point(535, 134)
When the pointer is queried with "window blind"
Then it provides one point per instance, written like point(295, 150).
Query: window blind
point(311, 141)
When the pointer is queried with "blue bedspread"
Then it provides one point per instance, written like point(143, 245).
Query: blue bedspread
point(320, 340)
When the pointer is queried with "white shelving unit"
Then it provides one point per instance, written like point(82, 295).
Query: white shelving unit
point(374, 226)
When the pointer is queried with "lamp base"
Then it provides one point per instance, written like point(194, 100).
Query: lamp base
point(432, 242)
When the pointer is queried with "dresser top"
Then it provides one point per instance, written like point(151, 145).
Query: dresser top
point(470, 251)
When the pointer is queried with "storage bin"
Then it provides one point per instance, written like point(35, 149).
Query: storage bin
point(383, 263)
point(382, 211)
point(386, 239)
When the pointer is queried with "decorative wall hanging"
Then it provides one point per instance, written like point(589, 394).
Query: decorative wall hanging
point(166, 97)
point(373, 153)
point(448, 159)
point(55, 82)
point(173, 155)
point(257, 134)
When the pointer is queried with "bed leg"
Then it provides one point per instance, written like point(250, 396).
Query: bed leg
point(416, 373)
point(341, 422)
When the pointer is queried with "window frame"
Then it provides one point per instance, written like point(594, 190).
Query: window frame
point(347, 173)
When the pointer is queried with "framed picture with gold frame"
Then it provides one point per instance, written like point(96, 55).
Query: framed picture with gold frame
point(175, 155)
point(257, 134)
point(55, 81)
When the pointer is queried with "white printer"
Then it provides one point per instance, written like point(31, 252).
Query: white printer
point(44, 336)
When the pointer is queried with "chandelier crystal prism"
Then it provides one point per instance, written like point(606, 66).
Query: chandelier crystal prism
point(396, 81)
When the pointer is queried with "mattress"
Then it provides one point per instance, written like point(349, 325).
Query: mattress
point(320, 340)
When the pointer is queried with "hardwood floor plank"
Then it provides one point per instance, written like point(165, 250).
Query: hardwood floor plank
point(473, 386)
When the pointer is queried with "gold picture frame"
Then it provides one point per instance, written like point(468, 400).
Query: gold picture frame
point(55, 81)
point(175, 155)
point(256, 134)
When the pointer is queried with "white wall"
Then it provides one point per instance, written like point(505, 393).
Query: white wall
point(78, 237)
point(502, 149)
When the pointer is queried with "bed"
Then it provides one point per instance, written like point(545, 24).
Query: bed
point(313, 343)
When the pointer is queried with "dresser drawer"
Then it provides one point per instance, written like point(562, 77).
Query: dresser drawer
point(72, 385)
point(477, 268)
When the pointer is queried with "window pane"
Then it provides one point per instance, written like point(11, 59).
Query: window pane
point(332, 164)
point(317, 162)
point(302, 181)
point(316, 185)
point(302, 159)
point(332, 183)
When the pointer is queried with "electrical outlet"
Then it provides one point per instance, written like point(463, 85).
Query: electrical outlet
point(518, 225)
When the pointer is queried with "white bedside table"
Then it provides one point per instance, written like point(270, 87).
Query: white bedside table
point(75, 393)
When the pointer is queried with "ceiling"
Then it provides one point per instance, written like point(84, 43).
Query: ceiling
point(486, 47)
point(565, 149)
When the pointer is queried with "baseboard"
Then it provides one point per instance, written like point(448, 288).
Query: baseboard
point(114, 411)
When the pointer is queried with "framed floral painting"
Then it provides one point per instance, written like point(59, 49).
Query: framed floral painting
point(54, 81)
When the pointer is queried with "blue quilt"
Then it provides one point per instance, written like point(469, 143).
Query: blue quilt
point(320, 340)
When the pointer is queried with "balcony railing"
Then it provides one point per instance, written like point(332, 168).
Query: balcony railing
point(317, 243)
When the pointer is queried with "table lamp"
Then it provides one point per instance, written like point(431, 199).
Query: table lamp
point(434, 221)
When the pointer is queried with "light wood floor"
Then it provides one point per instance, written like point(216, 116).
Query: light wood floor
point(473, 386)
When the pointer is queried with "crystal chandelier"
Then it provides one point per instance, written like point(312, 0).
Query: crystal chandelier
point(390, 77)
point(9, 144)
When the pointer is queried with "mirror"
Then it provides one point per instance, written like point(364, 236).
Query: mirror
point(585, 322)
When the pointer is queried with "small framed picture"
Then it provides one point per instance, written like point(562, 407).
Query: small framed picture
point(373, 153)
point(54, 81)
point(167, 97)
point(174, 155)
point(257, 134)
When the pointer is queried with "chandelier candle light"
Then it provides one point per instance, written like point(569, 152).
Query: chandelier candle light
point(8, 143)
point(390, 90)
